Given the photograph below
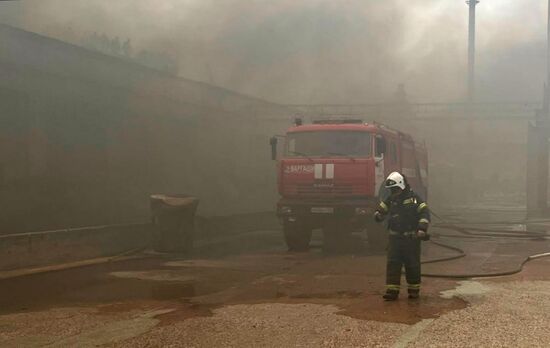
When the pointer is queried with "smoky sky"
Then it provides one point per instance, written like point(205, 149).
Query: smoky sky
point(320, 51)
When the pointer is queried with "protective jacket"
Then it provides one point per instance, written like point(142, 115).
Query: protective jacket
point(406, 212)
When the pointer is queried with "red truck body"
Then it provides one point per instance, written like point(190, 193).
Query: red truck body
point(332, 172)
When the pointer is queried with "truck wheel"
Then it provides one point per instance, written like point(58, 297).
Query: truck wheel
point(377, 236)
point(297, 236)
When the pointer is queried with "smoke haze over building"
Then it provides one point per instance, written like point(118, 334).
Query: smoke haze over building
point(319, 51)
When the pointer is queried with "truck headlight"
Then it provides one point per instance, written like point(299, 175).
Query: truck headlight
point(361, 211)
point(286, 210)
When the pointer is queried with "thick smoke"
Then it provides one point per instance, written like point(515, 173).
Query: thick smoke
point(319, 51)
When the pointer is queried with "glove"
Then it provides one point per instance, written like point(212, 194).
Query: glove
point(378, 217)
point(422, 235)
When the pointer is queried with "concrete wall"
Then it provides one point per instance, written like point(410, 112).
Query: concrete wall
point(37, 249)
point(27, 250)
point(85, 138)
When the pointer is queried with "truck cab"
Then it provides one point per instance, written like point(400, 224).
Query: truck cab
point(331, 175)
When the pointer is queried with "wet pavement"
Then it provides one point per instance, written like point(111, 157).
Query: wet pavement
point(257, 294)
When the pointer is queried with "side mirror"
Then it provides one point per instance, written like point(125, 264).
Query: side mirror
point(273, 142)
point(380, 146)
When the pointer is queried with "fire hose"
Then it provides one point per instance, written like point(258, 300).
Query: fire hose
point(476, 232)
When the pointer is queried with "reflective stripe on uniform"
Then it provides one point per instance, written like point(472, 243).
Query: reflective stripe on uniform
point(393, 287)
point(384, 206)
point(424, 220)
point(421, 207)
point(414, 286)
point(395, 233)
point(409, 200)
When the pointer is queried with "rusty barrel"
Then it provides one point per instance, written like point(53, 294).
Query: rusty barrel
point(174, 221)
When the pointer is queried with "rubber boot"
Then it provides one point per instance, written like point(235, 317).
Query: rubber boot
point(391, 295)
point(414, 294)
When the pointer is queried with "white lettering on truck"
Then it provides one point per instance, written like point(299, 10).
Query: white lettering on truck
point(299, 169)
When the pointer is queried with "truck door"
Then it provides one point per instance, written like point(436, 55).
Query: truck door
point(379, 174)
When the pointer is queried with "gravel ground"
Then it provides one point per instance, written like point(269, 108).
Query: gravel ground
point(39, 328)
point(504, 314)
point(507, 314)
point(74, 327)
point(272, 325)
point(501, 314)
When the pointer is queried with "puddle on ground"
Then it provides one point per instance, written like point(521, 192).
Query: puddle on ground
point(204, 285)
point(333, 295)
point(203, 263)
point(93, 285)
point(169, 291)
point(159, 275)
point(465, 289)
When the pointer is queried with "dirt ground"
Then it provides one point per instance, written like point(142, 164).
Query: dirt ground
point(267, 297)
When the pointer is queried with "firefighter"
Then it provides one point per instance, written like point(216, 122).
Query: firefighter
point(408, 219)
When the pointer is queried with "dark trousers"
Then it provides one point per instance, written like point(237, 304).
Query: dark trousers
point(403, 251)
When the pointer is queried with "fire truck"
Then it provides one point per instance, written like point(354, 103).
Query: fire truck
point(331, 177)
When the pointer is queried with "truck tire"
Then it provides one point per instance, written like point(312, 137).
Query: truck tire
point(377, 236)
point(297, 236)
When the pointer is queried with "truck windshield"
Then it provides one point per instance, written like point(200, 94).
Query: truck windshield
point(329, 143)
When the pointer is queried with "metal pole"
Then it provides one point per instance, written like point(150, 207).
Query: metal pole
point(469, 170)
point(547, 89)
point(537, 145)
point(544, 125)
point(471, 49)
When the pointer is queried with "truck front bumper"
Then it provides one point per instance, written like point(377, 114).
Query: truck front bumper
point(351, 209)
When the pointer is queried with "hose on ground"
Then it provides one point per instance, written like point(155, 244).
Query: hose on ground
point(481, 233)
point(518, 269)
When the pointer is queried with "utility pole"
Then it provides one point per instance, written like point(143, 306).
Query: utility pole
point(537, 146)
point(544, 126)
point(471, 49)
point(547, 91)
point(469, 172)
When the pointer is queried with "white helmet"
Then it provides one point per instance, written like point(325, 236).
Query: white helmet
point(395, 179)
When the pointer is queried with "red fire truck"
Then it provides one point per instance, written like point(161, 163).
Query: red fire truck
point(331, 176)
